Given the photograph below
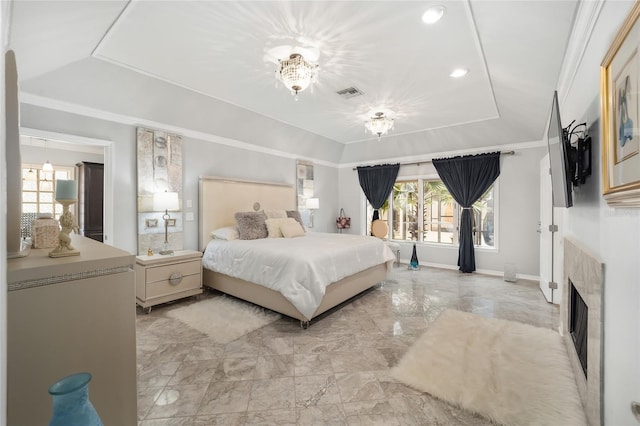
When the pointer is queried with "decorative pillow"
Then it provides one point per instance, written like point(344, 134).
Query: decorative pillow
point(275, 214)
point(251, 225)
point(274, 224)
point(226, 233)
point(296, 215)
point(291, 229)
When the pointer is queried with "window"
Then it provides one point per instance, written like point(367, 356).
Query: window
point(38, 189)
point(440, 218)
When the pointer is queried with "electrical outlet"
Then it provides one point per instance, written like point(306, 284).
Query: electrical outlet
point(189, 217)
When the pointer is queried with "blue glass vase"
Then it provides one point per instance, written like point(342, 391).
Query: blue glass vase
point(71, 405)
point(413, 264)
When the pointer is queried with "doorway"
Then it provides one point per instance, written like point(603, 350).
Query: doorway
point(99, 150)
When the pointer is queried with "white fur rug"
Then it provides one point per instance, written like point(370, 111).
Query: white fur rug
point(511, 373)
point(223, 318)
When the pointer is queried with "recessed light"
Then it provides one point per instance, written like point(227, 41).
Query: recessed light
point(459, 72)
point(433, 14)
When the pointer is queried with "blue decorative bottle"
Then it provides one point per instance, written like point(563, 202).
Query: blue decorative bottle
point(71, 405)
point(413, 264)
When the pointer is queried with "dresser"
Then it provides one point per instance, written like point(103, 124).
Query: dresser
point(68, 315)
point(164, 278)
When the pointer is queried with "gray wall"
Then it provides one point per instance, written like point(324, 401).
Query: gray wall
point(201, 158)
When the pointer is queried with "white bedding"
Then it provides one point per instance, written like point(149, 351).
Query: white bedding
point(299, 268)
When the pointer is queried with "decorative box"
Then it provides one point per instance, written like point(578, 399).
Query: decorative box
point(44, 233)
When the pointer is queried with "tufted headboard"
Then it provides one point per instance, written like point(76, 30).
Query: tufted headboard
point(220, 198)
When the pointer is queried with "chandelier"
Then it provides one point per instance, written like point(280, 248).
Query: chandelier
point(296, 73)
point(379, 124)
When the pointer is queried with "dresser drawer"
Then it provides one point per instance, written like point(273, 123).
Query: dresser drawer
point(166, 287)
point(163, 273)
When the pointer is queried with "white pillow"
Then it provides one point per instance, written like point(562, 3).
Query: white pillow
point(226, 233)
point(274, 224)
point(275, 214)
point(291, 229)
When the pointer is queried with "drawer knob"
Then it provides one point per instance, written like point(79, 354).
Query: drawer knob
point(175, 278)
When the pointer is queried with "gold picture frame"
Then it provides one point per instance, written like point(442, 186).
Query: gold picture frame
point(620, 108)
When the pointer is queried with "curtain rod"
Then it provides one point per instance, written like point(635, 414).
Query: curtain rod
point(417, 163)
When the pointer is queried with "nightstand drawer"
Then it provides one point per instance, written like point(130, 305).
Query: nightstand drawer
point(165, 287)
point(164, 273)
point(161, 279)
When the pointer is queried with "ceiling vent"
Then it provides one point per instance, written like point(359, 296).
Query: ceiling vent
point(350, 92)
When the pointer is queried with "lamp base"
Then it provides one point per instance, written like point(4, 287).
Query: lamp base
point(67, 225)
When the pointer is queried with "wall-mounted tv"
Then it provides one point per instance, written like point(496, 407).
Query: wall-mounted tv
point(560, 158)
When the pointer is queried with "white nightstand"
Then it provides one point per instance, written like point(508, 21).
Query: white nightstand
point(161, 279)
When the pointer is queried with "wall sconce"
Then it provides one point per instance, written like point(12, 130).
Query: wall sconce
point(312, 204)
point(166, 201)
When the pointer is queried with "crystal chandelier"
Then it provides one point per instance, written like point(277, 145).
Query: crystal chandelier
point(379, 124)
point(296, 73)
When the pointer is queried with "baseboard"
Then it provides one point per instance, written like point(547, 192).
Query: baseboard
point(479, 271)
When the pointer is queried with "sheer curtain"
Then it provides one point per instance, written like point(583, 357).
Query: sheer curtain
point(377, 183)
point(467, 178)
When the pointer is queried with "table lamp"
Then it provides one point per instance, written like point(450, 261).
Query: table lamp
point(66, 194)
point(166, 201)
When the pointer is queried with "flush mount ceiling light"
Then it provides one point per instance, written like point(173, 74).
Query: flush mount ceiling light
point(459, 72)
point(296, 73)
point(433, 14)
point(379, 124)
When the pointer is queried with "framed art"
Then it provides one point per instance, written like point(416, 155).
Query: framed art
point(619, 95)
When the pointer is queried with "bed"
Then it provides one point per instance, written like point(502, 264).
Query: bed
point(220, 199)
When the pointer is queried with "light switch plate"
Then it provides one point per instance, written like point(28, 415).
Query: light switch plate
point(189, 204)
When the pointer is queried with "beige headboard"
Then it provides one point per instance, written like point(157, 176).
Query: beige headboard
point(221, 198)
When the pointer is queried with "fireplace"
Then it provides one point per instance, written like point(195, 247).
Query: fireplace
point(578, 325)
point(581, 324)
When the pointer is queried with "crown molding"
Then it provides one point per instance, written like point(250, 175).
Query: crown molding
point(584, 22)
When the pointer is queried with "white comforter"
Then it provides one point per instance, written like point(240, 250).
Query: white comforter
point(300, 268)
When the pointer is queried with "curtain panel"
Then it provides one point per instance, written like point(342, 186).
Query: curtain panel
point(377, 183)
point(467, 178)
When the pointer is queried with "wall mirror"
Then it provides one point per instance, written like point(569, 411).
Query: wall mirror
point(159, 159)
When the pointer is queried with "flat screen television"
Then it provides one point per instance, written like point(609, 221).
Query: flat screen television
point(560, 158)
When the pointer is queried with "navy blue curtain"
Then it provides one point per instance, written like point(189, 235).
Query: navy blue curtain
point(377, 183)
point(467, 178)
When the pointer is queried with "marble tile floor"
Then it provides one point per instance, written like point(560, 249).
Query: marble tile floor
point(333, 373)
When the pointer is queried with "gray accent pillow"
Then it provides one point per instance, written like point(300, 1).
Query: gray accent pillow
point(296, 215)
point(251, 225)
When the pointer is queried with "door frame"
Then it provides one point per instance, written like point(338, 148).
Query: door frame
point(107, 146)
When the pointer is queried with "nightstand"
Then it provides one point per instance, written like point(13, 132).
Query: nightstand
point(161, 279)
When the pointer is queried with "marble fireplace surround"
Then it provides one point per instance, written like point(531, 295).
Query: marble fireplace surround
point(587, 274)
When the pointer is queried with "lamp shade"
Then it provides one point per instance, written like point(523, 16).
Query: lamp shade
point(313, 203)
point(66, 190)
point(166, 201)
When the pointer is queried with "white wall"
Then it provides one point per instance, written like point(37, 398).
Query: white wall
point(613, 235)
point(518, 213)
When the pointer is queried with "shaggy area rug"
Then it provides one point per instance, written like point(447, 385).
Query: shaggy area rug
point(222, 318)
point(511, 373)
